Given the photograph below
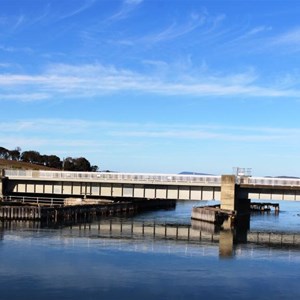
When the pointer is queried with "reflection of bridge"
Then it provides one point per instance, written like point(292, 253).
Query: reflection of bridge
point(227, 240)
point(125, 230)
point(118, 228)
point(149, 186)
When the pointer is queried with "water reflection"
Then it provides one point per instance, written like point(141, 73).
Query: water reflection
point(156, 255)
point(229, 236)
point(202, 233)
point(89, 268)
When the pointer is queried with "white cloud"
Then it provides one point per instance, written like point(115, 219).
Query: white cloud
point(14, 49)
point(135, 2)
point(148, 131)
point(85, 81)
point(258, 30)
point(291, 37)
point(127, 7)
point(25, 97)
point(121, 145)
point(20, 20)
point(88, 4)
point(176, 30)
point(288, 41)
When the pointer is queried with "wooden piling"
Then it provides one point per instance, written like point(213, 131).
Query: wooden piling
point(20, 213)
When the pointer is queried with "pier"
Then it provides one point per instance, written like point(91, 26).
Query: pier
point(20, 213)
point(264, 207)
point(75, 213)
point(212, 214)
point(215, 215)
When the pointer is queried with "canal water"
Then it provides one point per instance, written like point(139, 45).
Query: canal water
point(39, 263)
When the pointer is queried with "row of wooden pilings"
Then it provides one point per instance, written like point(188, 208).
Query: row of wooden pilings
point(77, 213)
point(86, 212)
point(20, 213)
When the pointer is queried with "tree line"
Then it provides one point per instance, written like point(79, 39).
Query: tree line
point(51, 161)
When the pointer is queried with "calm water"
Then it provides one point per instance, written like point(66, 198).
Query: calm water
point(47, 264)
point(288, 220)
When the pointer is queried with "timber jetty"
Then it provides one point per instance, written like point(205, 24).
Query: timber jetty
point(78, 213)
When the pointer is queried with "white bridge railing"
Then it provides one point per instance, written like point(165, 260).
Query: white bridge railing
point(273, 181)
point(147, 178)
point(115, 177)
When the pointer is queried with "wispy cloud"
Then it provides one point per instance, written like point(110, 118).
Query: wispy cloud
point(176, 30)
point(148, 131)
point(38, 142)
point(216, 133)
point(146, 143)
point(87, 4)
point(14, 49)
point(135, 2)
point(127, 7)
point(85, 81)
point(290, 39)
point(12, 23)
point(258, 30)
point(23, 97)
point(20, 20)
point(5, 65)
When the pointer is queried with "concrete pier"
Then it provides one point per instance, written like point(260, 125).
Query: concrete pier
point(229, 192)
point(233, 209)
point(232, 197)
point(211, 214)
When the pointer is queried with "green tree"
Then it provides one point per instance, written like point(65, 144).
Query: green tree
point(68, 164)
point(15, 154)
point(4, 153)
point(94, 168)
point(31, 156)
point(82, 164)
point(54, 162)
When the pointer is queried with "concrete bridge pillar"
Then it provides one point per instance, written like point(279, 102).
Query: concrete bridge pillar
point(232, 198)
point(229, 192)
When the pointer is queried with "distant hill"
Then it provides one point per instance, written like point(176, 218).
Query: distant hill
point(192, 173)
point(13, 164)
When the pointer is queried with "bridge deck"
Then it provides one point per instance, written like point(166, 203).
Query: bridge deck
point(143, 185)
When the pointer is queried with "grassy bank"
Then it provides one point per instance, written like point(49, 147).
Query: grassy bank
point(12, 164)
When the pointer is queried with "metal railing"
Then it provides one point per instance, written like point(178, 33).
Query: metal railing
point(116, 177)
point(35, 200)
point(292, 182)
point(147, 178)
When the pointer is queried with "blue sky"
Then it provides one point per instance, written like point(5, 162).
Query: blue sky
point(154, 85)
